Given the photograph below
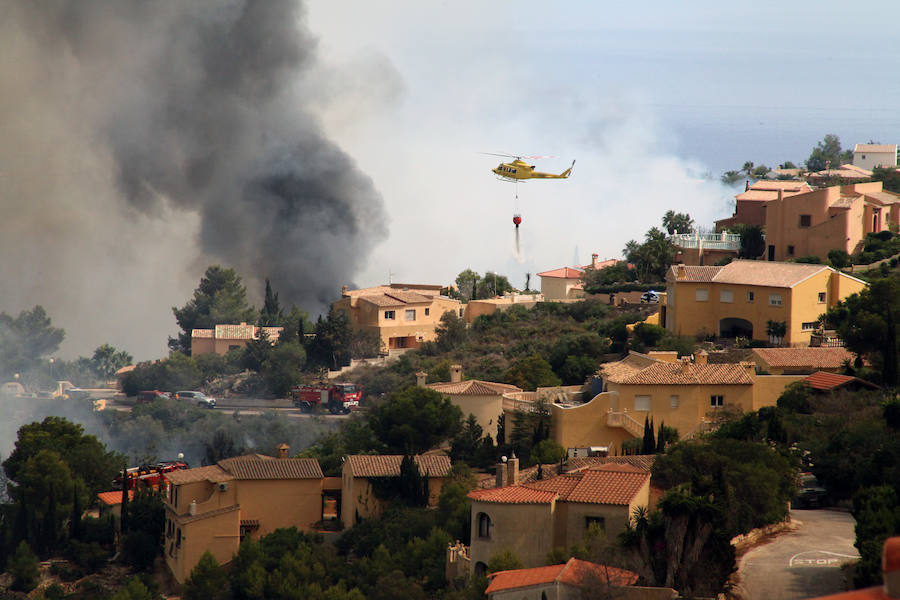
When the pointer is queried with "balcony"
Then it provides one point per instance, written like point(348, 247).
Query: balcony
point(707, 241)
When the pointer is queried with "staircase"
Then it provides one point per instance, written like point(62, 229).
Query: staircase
point(626, 422)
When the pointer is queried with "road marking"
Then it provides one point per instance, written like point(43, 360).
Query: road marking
point(831, 559)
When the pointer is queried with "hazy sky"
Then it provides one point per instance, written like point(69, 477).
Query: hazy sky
point(649, 97)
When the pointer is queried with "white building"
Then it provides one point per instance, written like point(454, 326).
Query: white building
point(869, 156)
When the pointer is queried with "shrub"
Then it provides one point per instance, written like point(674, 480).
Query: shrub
point(24, 568)
point(839, 259)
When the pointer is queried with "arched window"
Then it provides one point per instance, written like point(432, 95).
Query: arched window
point(484, 525)
point(480, 569)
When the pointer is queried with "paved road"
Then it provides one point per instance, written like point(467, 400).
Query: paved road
point(802, 563)
point(248, 406)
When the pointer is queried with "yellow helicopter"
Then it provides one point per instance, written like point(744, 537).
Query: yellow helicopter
point(518, 169)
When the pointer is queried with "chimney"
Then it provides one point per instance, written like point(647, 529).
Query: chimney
point(501, 472)
point(512, 470)
point(680, 273)
point(685, 364)
point(701, 357)
point(343, 290)
point(455, 373)
point(890, 567)
point(747, 186)
point(420, 379)
point(780, 195)
point(282, 450)
point(193, 508)
point(594, 261)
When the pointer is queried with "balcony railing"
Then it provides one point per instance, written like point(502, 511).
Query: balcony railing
point(709, 241)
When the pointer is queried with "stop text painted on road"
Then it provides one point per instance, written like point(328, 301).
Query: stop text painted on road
point(819, 558)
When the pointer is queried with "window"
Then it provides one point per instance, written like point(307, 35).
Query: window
point(642, 403)
point(389, 314)
point(410, 314)
point(774, 299)
point(821, 297)
point(484, 526)
point(726, 296)
point(805, 220)
point(673, 401)
point(808, 326)
point(597, 522)
point(178, 538)
point(790, 250)
point(460, 313)
point(702, 295)
point(750, 296)
point(427, 311)
point(717, 401)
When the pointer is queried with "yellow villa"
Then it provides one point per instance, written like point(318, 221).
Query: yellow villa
point(484, 399)
point(403, 315)
point(680, 393)
point(213, 508)
point(223, 338)
point(531, 519)
point(740, 298)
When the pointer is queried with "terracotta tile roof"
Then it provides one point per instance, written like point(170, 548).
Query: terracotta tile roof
point(574, 572)
point(608, 487)
point(419, 288)
point(243, 331)
point(602, 264)
point(787, 186)
point(272, 468)
point(202, 333)
point(626, 367)
point(644, 462)
point(184, 519)
point(395, 298)
point(765, 273)
point(875, 148)
point(616, 486)
point(811, 358)
point(563, 273)
point(514, 494)
point(884, 197)
point(388, 465)
point(473, 387)
point(113, 498)
point(663, 373)
point(213, 473)
point(821, 380)
point(692, 274)
point(562, 484)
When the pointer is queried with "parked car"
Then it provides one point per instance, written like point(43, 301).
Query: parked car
point(198, 398)
point(650, 297)
point(151, 395)
point(810, 493)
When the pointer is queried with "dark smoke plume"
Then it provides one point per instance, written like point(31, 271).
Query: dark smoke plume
point(141, 118)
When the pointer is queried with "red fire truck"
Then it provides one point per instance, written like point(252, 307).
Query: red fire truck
point(149, 475)
point(336, 397)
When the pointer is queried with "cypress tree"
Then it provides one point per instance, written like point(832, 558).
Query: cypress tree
point(123, 520)
point(49, 532)
point(660, 439)
point(648, 445)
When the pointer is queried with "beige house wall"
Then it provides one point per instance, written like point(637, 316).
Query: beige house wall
point(525, 529)
point(586, 424)
point(767, 389)
point(477, 308)
point(487, 410)
point(280, 503)
point(559, 288)
point(616, 517)
point(870, 160)
point(218, 534)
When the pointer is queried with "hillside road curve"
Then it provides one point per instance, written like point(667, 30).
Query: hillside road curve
point(802, 563)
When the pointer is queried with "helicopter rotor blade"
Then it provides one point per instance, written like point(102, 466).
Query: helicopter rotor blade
point(504, 154)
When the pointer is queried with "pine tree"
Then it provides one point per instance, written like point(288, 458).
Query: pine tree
point(75, 519)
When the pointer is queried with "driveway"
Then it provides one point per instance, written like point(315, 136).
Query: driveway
point(804, 562)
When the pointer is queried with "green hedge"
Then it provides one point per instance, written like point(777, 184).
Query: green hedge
point(659, 286)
